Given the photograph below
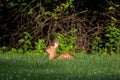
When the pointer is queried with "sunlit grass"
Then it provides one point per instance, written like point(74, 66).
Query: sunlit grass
point(38, 67)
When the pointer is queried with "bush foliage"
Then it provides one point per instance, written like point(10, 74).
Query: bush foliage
point(78, 25)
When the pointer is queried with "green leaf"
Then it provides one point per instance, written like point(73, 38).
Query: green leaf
point(28, 42)
point(48, 13)
point(112, 40)
point(110, 8)
point(113, 18)
point(11, 4)
point(30, 11)
point(107, 44)
point(108, 35)
point(27, 35)
point(14, 50)
point(21, 40)
point(55, 18)
point(117, 5)
point(23, 4)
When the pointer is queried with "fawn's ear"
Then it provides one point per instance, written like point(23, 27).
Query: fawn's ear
point(56, 44)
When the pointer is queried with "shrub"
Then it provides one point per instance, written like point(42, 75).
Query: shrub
point(67, 41)
point(111, 43)
point(40, 46)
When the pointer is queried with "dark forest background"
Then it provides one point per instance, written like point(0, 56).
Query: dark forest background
point(79, 25)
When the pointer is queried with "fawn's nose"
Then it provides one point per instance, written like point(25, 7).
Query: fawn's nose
point(50, 50)
point(46, 51)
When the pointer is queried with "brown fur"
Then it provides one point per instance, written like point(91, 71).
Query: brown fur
point(66, 55)
point(51, 50)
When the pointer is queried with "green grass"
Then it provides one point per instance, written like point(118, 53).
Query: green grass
point(38, 67)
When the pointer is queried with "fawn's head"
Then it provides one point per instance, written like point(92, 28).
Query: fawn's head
point(52, 47)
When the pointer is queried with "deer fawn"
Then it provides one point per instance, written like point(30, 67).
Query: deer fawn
point(51, 50)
